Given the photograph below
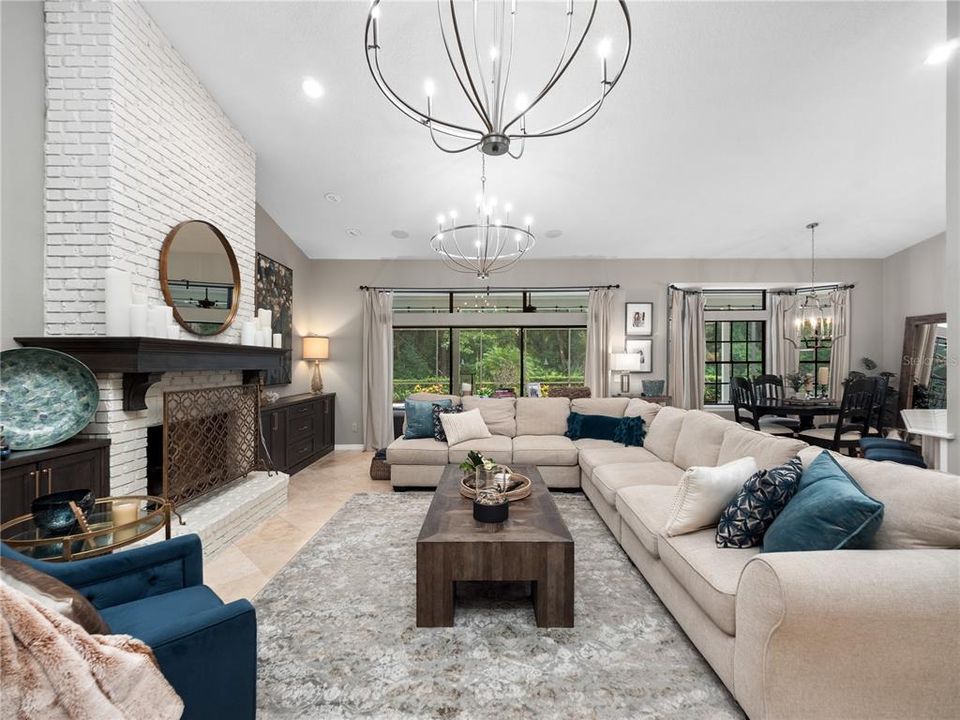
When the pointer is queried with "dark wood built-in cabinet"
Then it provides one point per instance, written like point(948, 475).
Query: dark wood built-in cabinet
point(72, 465)
point(298, 430)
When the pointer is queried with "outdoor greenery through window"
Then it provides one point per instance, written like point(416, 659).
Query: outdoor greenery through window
point(485, 360)
point(734, 348)
point(812, 359)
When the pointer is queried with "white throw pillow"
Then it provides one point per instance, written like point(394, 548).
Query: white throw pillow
point(704, 492)
point(460, 427)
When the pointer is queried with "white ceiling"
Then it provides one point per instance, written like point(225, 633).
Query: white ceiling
point(735, 124)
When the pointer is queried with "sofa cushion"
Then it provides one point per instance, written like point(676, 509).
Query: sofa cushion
point(438, 410)
point(768, 451)
point(431, 398)
point(764, 496)
point(704, 492)
point(544, 450)
point(460, 428)
point(592, 458)
point(610, 479)
point(422, 451)
point(829, 512)
point(591, 443)
point(645, 509)
point(498, 448)
point(542, 416)
point(663, 432)
point(638, 407)
point(708, 573)
point(142, 617)
point(920, 506)
point(699, 440)
point(498, 413)
point(612, 406)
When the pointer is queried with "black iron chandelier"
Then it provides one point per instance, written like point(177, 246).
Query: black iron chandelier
point(812, 326)
point(485, 82)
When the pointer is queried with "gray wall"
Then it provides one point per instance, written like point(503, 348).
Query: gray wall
point(273, 242)
point(913, 284)
point(22, 84)
point(952, 264)
point(337, 310)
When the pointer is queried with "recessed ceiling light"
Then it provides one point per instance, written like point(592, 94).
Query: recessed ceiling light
point(400, 234)
point(331, 197)
point(312, 88)
point(942, 52)
point(354, 232)
point(554, 233)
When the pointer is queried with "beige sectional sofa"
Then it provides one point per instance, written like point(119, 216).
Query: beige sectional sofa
point(835, 634)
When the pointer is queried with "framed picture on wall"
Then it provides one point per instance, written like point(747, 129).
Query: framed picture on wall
point(643, 348)
point(639, 318)
point(274, 291)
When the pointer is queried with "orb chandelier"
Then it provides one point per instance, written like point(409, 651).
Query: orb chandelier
point(482, 67)
point(492, 243)
point(812, 326)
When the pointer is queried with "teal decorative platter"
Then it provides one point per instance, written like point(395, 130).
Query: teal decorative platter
point(46, 397)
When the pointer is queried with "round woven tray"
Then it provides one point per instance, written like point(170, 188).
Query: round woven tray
point(518, 493)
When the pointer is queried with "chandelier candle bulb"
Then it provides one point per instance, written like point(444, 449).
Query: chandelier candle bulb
point(118, 297)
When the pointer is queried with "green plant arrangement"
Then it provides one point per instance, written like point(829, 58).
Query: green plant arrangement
point(475, 460)
point(798, 380)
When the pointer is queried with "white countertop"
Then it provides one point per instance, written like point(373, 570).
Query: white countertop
point(932, 423)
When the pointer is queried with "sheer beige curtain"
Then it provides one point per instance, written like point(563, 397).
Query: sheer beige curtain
point(840, 347)
point(687, 348)
point(784, 356)
point(925, 336)
point(597, 365)
point(377, 386)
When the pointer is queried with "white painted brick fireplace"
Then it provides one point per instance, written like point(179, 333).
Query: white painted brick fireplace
point(134, 145)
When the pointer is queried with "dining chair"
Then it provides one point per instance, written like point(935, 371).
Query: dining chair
point(745, 409)
point(853, 421)
point(770, 387)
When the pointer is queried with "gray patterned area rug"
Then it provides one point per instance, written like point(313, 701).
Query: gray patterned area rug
point(338, 635)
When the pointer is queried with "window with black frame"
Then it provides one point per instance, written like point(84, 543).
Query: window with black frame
point(734, 348)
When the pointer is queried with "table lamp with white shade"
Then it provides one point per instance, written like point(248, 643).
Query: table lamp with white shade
point(625, 363)
point(316, 348)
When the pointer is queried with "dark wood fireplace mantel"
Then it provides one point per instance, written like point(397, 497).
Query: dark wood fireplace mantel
point(143, 360)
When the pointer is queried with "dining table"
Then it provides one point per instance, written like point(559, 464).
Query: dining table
point(805, 410)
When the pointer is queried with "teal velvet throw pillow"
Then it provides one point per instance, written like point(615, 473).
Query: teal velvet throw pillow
point(829, 511)
point(630, 431)
point(420, 417)
point(597, 427)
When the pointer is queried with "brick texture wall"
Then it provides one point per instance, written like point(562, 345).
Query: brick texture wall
point(134, 145)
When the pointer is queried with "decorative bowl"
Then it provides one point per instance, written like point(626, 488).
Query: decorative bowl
point(518, 487)
point(52, 513)
point(46, 397)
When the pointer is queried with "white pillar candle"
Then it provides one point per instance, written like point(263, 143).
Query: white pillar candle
point(138, 320)
point(248, 332)
point(173, 331)
point(266, 319)
point(138, 298)
point(159, 318)
point(118, 297)
point(125, 512)
point(277, 340)
point(265, 338)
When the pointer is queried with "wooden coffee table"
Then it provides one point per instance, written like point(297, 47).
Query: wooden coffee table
point(533, 545)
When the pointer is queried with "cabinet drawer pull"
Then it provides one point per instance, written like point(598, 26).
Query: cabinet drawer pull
point(49, 472)
point(36, 483)
point(276, 421)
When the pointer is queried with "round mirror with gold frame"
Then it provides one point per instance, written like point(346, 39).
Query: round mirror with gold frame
point(199, 277)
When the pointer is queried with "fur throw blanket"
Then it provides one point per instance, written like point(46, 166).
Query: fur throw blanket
point(51, 668)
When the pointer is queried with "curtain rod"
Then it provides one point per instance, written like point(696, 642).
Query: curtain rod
point(489, 289)
point(806, 288)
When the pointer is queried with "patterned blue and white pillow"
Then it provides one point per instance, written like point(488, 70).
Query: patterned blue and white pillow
point(438, 410)
point(744, 521)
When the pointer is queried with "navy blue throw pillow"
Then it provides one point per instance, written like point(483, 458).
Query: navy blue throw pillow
point(438, 434)
point(420, 417)
point(829, 512)
point(630, 431)
point(744, 521)
point(597, 427)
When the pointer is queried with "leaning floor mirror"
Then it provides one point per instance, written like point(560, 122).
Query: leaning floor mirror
point(923, 372)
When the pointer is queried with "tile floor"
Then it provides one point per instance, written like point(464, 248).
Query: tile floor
point(242, 568)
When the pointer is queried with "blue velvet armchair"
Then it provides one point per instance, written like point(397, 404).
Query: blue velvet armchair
point(206, 649)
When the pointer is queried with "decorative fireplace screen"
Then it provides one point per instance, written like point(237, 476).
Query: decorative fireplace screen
point(211, 437)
